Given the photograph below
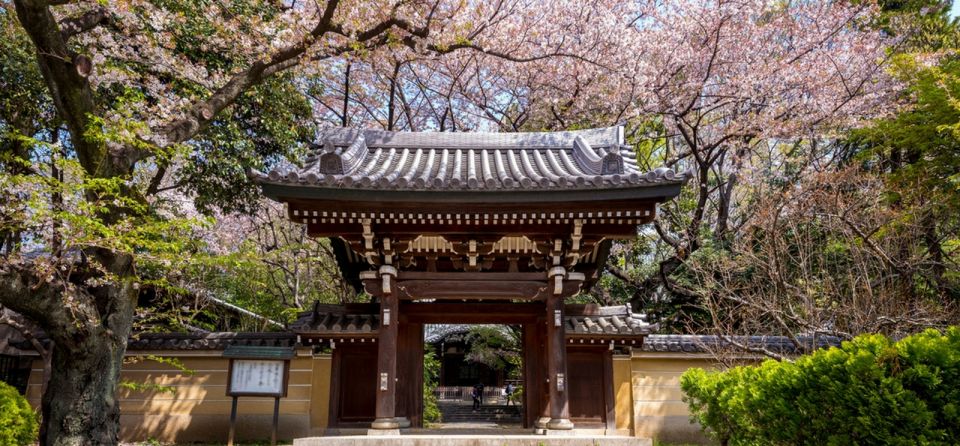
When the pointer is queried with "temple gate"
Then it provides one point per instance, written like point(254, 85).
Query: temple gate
point(478, 228)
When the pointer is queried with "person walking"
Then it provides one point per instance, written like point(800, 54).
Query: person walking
point(508, 392)
point(476, 397)
point(480, 392)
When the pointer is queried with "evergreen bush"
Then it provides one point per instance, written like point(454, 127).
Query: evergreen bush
point(431, 378)
point(18, 421)
point(869, 391)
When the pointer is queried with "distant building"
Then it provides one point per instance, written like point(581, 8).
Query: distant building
point(449, 344)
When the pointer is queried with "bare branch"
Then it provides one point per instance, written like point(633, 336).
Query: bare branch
point(91, 19)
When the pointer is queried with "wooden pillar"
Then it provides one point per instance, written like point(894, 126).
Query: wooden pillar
point(386, 412)
point(542, 402)
point(609, 396)
point(410, 372)
point(534, 376)
point(557, 366)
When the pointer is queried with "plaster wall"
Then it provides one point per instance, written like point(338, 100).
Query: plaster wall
point(657, 402)
point(648, 399)
point(193, 406)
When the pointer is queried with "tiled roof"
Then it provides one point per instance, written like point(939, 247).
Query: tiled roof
point(209, 341)
point(10, 338)
point(618, 320)
point(580, 321)
point(437, 332)
point(338, 320)
point(607, 325)
point(376, 159)
point(709, 343)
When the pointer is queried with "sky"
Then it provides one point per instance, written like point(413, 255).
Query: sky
point(955, 9)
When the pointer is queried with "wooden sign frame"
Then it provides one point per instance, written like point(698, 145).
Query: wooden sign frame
point(283, 386)
point(264, 354)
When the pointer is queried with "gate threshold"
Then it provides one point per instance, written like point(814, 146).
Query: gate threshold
point(473, 440)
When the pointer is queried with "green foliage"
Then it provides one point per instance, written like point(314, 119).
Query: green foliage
point(918, 152)
point(269, 123)
point(493, 346)
point(923, 24)
point(25, 106)
point(870, 391)
point(18, 421)
point(431, 378)
point(144, 386)
point(920, 147)
point(274, 269)
point(80, 214)
point(266, 125)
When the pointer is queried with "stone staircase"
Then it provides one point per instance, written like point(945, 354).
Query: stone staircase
point(457, 412)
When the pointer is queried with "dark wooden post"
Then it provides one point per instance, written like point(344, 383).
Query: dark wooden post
point(532, 375)
point(609, 397)
point(387, 365)
point(557, 366)
point(276, 421)
point(410, 371)
point(233, 422)
point(540, 384)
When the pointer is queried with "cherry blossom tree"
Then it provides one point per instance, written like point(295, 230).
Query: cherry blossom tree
point(145, 91)
point(724, 79)
point(137, 86)
point(705, 86)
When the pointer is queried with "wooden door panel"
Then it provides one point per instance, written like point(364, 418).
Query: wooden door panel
point(586, 391)
point(357, 384)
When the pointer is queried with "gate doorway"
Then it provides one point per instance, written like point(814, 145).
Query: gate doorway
point(525, 321)
point(352, 332)
point(474, 377)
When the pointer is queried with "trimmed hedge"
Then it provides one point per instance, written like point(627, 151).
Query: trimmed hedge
point(18, 422)
point(869, 391)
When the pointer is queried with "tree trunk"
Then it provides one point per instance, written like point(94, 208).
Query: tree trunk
point(345, 117)
point(80, 405)
point(89, 327)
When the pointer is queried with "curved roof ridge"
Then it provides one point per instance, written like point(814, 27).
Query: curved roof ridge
point(597, 137)
point(425, 162)
point(436, 332)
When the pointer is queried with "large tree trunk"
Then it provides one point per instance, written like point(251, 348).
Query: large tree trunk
point(89, 327)
point(80, 406)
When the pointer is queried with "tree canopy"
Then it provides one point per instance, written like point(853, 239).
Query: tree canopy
point(818, 132)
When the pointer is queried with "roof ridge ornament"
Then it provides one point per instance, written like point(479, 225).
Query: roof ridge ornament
point(335, 161)
point(611, 163)
point(585, 156)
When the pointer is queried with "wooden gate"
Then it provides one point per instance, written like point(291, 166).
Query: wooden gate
point(590, 375)
point(355, 382)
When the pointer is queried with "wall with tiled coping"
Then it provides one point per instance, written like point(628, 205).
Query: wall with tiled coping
point(646, 387)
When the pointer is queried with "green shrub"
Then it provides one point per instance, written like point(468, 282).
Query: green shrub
point(431, 377)
point(18, 422)
point(870, 391)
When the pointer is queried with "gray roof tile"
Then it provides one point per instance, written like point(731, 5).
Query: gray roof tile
point(709, 343)
point(376, 159)
point(208, 341)
point(592, 321)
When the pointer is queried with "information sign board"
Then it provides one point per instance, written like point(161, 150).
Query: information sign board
point(257, 371)
point(257, 377)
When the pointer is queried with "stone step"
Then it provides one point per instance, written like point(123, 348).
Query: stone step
point(571, 439)
point(491, 413)
point(481, 414)
point(479, 418)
